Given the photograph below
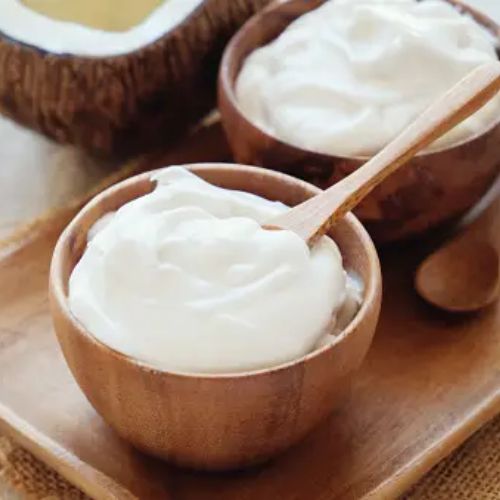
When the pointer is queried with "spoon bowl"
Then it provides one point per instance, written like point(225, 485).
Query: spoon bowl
point(460, 280)
point(464, 275)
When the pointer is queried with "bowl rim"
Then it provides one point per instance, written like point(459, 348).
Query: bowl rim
point(226, 85)
point(57, 284)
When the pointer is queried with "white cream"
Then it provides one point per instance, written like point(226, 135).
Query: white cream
point(186, 279)
point(346, 78)
point(25, 25)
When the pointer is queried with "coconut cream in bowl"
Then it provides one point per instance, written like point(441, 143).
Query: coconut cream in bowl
point(316, 88)
point(199, 336)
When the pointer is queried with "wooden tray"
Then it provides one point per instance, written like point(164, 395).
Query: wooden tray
point(429, 381)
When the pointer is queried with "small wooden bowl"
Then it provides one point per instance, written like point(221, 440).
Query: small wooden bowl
point(432, 189)
point(214, 421)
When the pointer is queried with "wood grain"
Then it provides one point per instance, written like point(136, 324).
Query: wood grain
point(429, 381)
point(431, 190)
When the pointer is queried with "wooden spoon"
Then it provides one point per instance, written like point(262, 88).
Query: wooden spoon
point(464, 275)
point(314, 217)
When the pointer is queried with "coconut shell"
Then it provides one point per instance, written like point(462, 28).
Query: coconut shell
point(124, 104)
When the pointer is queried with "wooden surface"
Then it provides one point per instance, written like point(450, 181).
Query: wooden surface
point(432, 189)
point(428, 382)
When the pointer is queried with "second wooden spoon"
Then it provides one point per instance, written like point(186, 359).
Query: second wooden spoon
point(464, 274)
point(314, 217)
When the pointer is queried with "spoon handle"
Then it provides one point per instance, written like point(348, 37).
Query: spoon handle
point(314, 217)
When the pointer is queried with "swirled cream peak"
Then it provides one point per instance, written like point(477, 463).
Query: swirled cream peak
point(186, 279)
point(346, 78)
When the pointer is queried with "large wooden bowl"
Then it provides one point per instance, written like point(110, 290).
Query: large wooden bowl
point(431, 189)
point(214, 421)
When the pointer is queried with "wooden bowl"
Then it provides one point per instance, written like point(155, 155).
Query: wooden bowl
point(433, 188)
point(214, 421)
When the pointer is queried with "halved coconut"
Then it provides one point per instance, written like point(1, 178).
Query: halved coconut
point(113, 84)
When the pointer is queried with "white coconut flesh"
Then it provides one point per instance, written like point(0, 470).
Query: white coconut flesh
point(91, 27)
point(104, 15)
